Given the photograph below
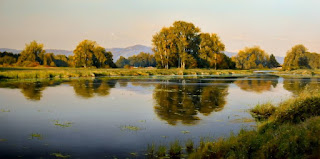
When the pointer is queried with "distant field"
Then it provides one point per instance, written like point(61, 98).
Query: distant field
point(60, 72)
point(67, 72)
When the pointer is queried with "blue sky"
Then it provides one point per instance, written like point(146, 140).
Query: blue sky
point(274, 25)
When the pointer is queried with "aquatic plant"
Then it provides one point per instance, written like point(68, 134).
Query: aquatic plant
point(263, 111)
point(60, 155)
point(175, 149)
point(189, 146)
point(62, 124)
point(130, 127)
point(185, 132)
point(36, 136)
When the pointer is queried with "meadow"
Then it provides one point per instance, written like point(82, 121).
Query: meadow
point(69, 72)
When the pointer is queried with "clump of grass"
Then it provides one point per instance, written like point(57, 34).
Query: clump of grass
point(36, 136)
point(263, 111)
point(161, 151)
point(189, 146)
point(60, 155)
point(175, 149)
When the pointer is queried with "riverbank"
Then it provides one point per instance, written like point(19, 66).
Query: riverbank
point(289, 130)
point(67, 72)
point(58, 72)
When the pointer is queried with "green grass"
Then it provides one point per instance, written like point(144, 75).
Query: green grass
point(299, 73)
point(263, 111)
point(290, 130)
point(66, 72)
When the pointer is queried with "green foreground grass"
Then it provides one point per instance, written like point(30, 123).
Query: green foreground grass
point(58, 72)
point(289, 130)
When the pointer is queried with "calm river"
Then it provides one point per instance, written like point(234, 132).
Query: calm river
point(114, 117)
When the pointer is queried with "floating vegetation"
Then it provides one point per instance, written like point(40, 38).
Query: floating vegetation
point(142, 121)
point(134, 153)
point(164, 137)
point(60, 155)
point(36, 136)
point(5, 110)
point(243, 120)
point(3, 140)
point(185, 132)
point(62, 124)
point(130, 127)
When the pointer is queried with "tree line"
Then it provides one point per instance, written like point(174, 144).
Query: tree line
point(181, 45)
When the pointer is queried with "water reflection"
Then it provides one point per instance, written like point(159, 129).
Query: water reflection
point(88, 88)
point(297, 85)
point(258, 85)
point(181, 102)
point(31, 90)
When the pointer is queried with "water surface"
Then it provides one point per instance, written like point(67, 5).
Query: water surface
point(113, 117)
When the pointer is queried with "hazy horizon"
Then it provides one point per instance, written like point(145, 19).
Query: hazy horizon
point(273, 25)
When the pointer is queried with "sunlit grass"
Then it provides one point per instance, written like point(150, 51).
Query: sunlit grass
point(57, 73)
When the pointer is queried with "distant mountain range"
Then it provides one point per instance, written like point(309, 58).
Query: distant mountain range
point(117, 52)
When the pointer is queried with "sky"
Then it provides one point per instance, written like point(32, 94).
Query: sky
point(274, 25)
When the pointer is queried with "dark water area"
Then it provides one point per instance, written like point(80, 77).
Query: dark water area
point(119, 117)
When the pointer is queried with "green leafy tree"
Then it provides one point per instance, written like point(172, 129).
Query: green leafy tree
point(251, 58)
point(48, 60)
point(33, 52)
point(210, 48)
point(121, 62)
point(61, 60)
point(89, 53)
point(295, 58)
point(273, 62)
point(84, 53)
point(177, 46)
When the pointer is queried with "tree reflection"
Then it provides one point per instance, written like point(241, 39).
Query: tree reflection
point(297, 85)
point(257, 85)
point(87, 88)
point(182, 102)
point(31, 90)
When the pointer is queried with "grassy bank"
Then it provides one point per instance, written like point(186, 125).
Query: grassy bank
point(299, 73)
point(58, 72)
point(289, 130)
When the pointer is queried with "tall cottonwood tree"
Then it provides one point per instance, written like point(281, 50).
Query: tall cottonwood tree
point(33, 52)
point(177, 46)
point(210, 49)
point(299, 57)
point(88, 53)
point(251, 58)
